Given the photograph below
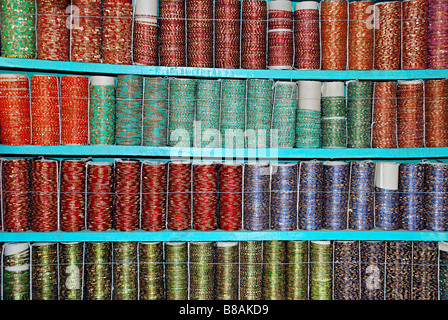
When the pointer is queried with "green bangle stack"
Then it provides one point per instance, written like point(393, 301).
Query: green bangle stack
point(274, 270)
point(176, 270)
point(321, 270)
point(45, 271)
point(284, 115)
point(297, 270)
point(125, 270)
point(359, 114)
point(16, 272)
point(233, 113)
point(182, 110)
point(259, 112)
point(334, 122)
point(202, 274)
point(155, 111)
point(71, 259)
point(226, 271)
point(151, 270)
point(207, 113)
point(128, 128)
point(18, 30)
point(98, 270)
point(250, 270)
point(308, 129)
point(102, 110)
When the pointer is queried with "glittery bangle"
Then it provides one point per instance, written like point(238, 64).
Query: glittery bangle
point(200, 33)
point(346, 273)
point(334, 22)
point(98, 271)
point(44, 271)
point(125, 285)
point(202, 256)
point(398, 270)
point(274, 270)
point(18, 29)
point(176, 270)
point(424, 270)
point(372, 268)
point(251, 270)
point(321, 273)
point(227, 259)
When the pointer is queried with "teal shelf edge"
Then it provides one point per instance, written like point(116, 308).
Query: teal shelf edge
point(217, 153)
point(241, 235)
point(98, 68)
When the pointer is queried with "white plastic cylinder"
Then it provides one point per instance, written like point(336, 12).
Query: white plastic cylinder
point(281, 5)
point(386, 175)
point(306, 5)
point(333, 89)
point(309, 95)
point(102, 81)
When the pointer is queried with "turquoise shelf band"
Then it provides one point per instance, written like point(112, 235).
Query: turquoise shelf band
point(410, 154)
point(218, 235)
point(98, 68)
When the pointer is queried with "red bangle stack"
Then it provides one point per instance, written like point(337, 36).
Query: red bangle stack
point(154, 194)
point(127, 195)
point(414, 34)
point(44, 195)
point(253, 34)
point(179, 195)
point(334, 18)
point(86, 31)
point(436, 113)
point(205, 202)
point(145, 41)
point(99, 195)
point(227, 34)
point(280, 35)
point(73, 195)
point(172, 33)
point(306, 37)
point(387, 37)
point(53, 38)
point(200, 33)
point(360, 35)
point(117, 31)
point(230, 196)
point(16, 195)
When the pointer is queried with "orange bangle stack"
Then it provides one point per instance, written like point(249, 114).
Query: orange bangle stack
point(45, 110)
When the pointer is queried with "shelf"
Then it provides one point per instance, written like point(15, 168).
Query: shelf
point(217, 153)
point(29, 66)
point(242, 235)
point(99, 68)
